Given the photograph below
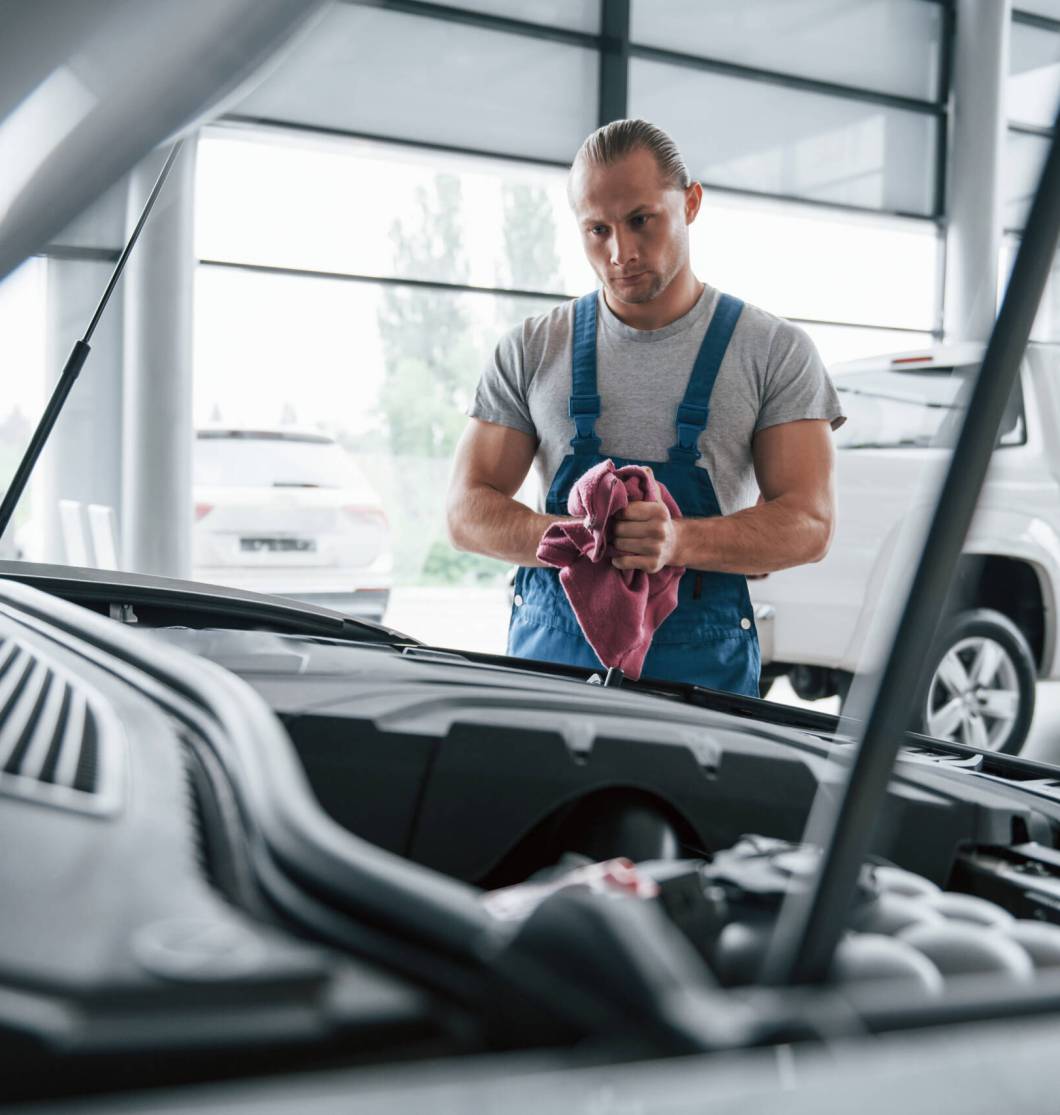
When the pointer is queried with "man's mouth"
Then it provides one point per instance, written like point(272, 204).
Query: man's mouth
point(630, 278)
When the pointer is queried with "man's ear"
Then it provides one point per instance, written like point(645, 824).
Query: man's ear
point(693, 200)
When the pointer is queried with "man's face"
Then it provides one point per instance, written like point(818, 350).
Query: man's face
point(634, 225)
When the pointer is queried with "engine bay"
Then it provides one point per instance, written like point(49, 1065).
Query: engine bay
point(500, 782)
point(389, 846)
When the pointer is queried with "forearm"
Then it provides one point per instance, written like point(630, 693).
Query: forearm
point(773, 535)
point(483, 520)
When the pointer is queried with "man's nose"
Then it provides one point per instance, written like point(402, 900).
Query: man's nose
point(623, 250)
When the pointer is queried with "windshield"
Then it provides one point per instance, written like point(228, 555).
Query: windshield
point(894, 408)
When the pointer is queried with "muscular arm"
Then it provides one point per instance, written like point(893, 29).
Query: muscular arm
point(791, 525)
point(491, 462)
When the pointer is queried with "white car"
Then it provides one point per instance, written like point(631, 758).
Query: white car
point(289, 513)
point(902, 413)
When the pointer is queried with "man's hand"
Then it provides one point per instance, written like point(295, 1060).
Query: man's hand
point(646, 532)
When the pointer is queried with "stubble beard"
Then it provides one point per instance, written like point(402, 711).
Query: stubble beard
point(655, 287)
point(638, 297)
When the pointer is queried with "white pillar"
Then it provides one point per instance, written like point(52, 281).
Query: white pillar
point(156, 464)
point(977, 146)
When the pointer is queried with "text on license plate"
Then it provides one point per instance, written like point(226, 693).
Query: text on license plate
point(278, 545)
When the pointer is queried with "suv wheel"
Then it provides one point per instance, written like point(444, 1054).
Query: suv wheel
point(982, 683)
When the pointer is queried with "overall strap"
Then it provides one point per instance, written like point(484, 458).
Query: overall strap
point(584, 403)
point(694, 410)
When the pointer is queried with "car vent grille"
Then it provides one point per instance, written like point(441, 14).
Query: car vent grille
point(52, 731)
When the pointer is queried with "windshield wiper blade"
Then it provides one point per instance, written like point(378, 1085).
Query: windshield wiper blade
point(811, 923)
point(919, 402)
point(900, 443)
point(76, 360)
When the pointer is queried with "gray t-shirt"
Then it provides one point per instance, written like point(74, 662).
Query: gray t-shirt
point(771, 374)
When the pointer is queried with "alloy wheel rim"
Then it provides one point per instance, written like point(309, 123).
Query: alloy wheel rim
point(974, 694)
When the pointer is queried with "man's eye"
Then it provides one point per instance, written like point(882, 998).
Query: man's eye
point(640, 220)
point(598, 230)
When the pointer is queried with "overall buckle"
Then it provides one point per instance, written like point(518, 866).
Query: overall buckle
point(584, 409)
point(691, 421)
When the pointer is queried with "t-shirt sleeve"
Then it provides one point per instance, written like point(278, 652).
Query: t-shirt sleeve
point(501, 392)
point(797, 386)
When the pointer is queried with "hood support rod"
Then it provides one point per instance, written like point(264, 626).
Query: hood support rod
point(76, 360)
point(810, 924)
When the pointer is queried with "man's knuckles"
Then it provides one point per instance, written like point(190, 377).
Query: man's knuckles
point(642, 509)
point(653, 530)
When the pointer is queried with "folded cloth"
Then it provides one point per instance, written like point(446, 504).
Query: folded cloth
point(618, 610)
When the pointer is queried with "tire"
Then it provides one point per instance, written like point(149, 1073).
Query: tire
point(979, 656)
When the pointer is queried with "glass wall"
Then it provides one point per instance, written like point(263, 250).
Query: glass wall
point(353, 289)
point(357, 296)
point(435, 81)
point(573, 15)
point(391, 199)
point(888, 46)
point(22, 356)
point(1033, 90)
point(1032, 101)
point(775, 140)
point(327, 204)
point(836, 101)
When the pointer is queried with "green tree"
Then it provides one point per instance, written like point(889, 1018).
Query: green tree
point(530, 253)
point(531, 259)
point(431, 366)
point(433, 357)
point(429, 359)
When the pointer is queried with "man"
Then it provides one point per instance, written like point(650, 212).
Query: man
point(657, 369)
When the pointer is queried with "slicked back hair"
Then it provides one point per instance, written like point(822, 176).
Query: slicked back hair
point(614, 141)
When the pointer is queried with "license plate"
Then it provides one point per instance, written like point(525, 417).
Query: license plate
point(278, 545)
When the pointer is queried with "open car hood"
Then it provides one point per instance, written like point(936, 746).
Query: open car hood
point(89, 87)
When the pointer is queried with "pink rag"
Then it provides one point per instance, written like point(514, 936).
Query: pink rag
point(618, 610)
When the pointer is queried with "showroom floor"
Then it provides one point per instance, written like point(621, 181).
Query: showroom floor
point(477, 619)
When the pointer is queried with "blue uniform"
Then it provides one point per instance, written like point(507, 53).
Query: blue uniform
point(710, 638)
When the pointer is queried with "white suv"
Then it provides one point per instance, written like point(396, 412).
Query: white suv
point(903, 413)
point(289, 513)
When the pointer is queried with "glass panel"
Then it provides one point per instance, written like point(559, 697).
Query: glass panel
point(892, 46)
point(780, 141)
point(1047, 324)
point(1024, 159)
point(298, 204)
point(22, 358)
point(1033, 91)
point(1048, 8)
point(836, 343)
point(382, 209)
point(802, 263)
point(386, 372)
point(392, 74)
point(574, 15)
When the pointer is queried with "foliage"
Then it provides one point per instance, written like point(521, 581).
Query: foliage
point(430, 365)
point(530, 239)
point(446, 566)
point(433, 360)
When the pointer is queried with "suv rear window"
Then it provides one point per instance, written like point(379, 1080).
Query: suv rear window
point(906, 408)
point(243, 461)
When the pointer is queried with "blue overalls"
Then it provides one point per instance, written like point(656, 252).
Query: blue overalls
point(709, 639)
